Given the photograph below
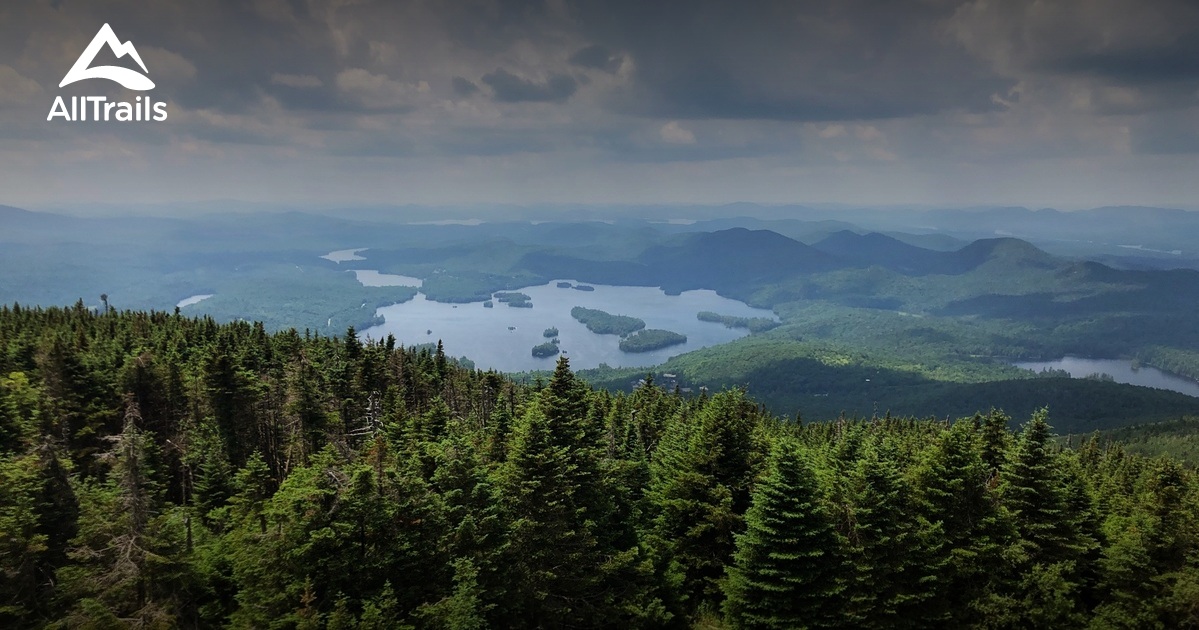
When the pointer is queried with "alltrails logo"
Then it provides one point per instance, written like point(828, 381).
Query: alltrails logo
point(142, 109)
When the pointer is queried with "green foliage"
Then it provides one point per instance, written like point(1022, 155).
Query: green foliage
point(896, 568)
point(463, 286)
point(1052, 544)
point(603, 323)
point(23, 546)
point(547, 349)
point(163, 471)
point(312, 298)
point(785, 571)
point(700, 488)
point(1177, 439)
point(754, 324)
point(651, 339)
point(959, 498)
point(826, 379)
point(516, 300)
point(550, 332)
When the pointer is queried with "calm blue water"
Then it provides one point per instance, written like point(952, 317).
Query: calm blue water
point(483, 334)
point(1120, 369)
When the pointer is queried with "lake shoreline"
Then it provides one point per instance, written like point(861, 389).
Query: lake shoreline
point(500, 337)
point(1121, 370)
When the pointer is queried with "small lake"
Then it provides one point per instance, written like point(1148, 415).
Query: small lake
point(195, 299)
point(483, 335)
point(371, 278)
point(345, 255)
point(1120, 369)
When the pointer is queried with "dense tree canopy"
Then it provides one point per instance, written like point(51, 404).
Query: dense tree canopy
point(160, 471)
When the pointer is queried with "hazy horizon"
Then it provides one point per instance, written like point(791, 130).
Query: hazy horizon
point(540, 212)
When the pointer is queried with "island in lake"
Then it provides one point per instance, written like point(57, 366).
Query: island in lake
point(605, 323)
point(550, 332)
point(651, 339)
point(514, 299)
point(543, 350)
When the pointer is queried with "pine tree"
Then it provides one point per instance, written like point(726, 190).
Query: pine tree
point(117, 554)
point(18, 413)
point(472, 505)
point(785, 570)
point(996, 440)
point(551, 556)
point(22, 546)
point(333, 527)
point(969, 532)
point(1050, 545)
point(699, 491)
point(464, 608)
point(1033, 490)
point(894, 568)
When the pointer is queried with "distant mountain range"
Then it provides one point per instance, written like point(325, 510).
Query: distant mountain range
point(948, 297)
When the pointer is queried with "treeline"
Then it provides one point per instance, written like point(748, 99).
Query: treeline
point(161, 471)
point(1176, 439)
point(753, 324)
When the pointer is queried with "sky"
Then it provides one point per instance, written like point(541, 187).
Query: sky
point(326, 103)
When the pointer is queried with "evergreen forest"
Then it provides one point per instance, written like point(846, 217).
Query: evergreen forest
point(164, 471)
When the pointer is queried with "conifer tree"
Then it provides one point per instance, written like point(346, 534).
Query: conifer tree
point(1049, 544)
point(969, 532)
point(473, 514)
point(894, 569)
point(22, 546)
point(699, 491)
point(996, 440)
point(551, 556)
point(785, 570)
point(1033, 491)
point(116, 553)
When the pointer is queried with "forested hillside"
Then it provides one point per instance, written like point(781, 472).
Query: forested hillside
point(163, 471)
point(931, 307)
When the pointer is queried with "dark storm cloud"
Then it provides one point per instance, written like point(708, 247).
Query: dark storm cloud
point(848, 59)
point(464, 87)
point(1148, 44)
point(768, 84)
point(596, 57)
point(1176, 61)
point(774, 59)
point(510, 88)
point(233, 48)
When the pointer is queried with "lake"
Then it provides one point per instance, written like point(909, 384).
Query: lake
point(345, 255)
point(1120, 369)
point(372, 278)
point(195, 299)
point(483, 335)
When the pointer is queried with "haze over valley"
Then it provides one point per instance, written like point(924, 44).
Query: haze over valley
point(862, 310)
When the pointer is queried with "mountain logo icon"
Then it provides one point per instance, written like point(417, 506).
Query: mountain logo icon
point(126, 77)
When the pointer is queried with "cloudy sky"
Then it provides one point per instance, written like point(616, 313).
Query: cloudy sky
point(1063, 103)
